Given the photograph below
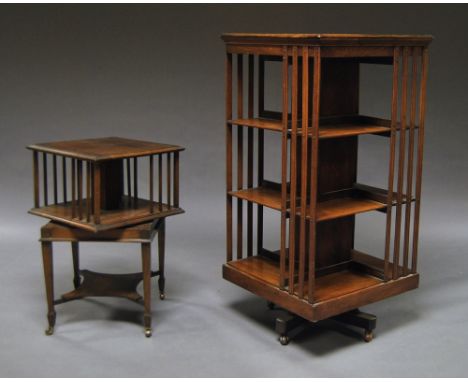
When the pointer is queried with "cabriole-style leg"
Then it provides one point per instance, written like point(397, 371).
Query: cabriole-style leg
point(49, 284)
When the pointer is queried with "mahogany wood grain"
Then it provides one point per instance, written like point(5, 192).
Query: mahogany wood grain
point(388, 230)
point(250, 153)
point(293, 169)
point(99, 149)
point(401, 162)
point(228, 88)
point(284, 169)
point(240, 152)
point(36, 178)
point(422, 110)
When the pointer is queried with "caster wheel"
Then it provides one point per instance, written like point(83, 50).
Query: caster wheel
point(49, 331)
point(368, 335)
point(162, 296)
point(271, 305)
point(284, 340)
point(148, 333)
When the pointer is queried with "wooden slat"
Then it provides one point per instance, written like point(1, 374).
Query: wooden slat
point(176, 179)
point(64, 179)
point(129, 179)
point(168, 175)
point(44, 177)
point(135, 182)
point(88, 191)
point(401, 163)
point(417, 205)
point(261, 142)
point(73, 186)
point(240, 152)
point(409, 173)
point(314, 175)
point(97, 192)
point(228, 88)
point(284, 169)
point(80, 188)
point(54, 167)
point(304, 169)
point(36, 178)
point(293, 169)
point(391, 170)
point(151, 183)
point(160, 182)
point(250, 148)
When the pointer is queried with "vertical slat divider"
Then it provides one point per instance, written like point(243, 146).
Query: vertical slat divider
point(228, 89)
point(88, 191)
point(314, 173)
point(240, 152)
point(260, 164)
point(44, 180)
point(92, 187)
point(64, 179)
point(80, 188)
point(396, 54)
point(36, 178)
point(417, 205)
point(129, 181)
point(54, 167)
point(168, 156)
point(409, 178)
point(160, 182)
point(250, 143)
point(293, 170)
point(151, 196)
point(304, 168)
point(176, 179)
point(401, 164)
point(261, 144)
point(73, 186)
point(284, 167)
point(135, 182)
point(97, 192)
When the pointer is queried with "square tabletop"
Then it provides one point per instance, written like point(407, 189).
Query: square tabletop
point(101, 149)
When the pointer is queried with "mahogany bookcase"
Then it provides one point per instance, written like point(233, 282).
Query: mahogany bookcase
point(317, 273)
point(88, 188)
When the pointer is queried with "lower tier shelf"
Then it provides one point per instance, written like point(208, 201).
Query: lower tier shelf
point(334, 293)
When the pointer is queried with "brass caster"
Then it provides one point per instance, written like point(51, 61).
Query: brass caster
point(368, 335)
point(49, 331)
point(148, 332)
point(271, 305)
point(162, 296)
point(284, 340)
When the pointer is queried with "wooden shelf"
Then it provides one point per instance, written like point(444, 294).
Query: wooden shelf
point(338, 208)
point(124, 216)
point(340, 127)
point(327, 287)
point(259, 123)
point(267, 195)
point(270, 196)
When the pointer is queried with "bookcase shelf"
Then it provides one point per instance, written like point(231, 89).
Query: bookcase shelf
point(317, 273)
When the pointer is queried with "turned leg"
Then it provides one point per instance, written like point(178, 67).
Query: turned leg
point(146, 261)
point(76, 264)
point(161, 245)
point(49, 284)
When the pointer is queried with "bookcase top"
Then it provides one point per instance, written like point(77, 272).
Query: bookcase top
point(99, 149)
point(327, 39)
